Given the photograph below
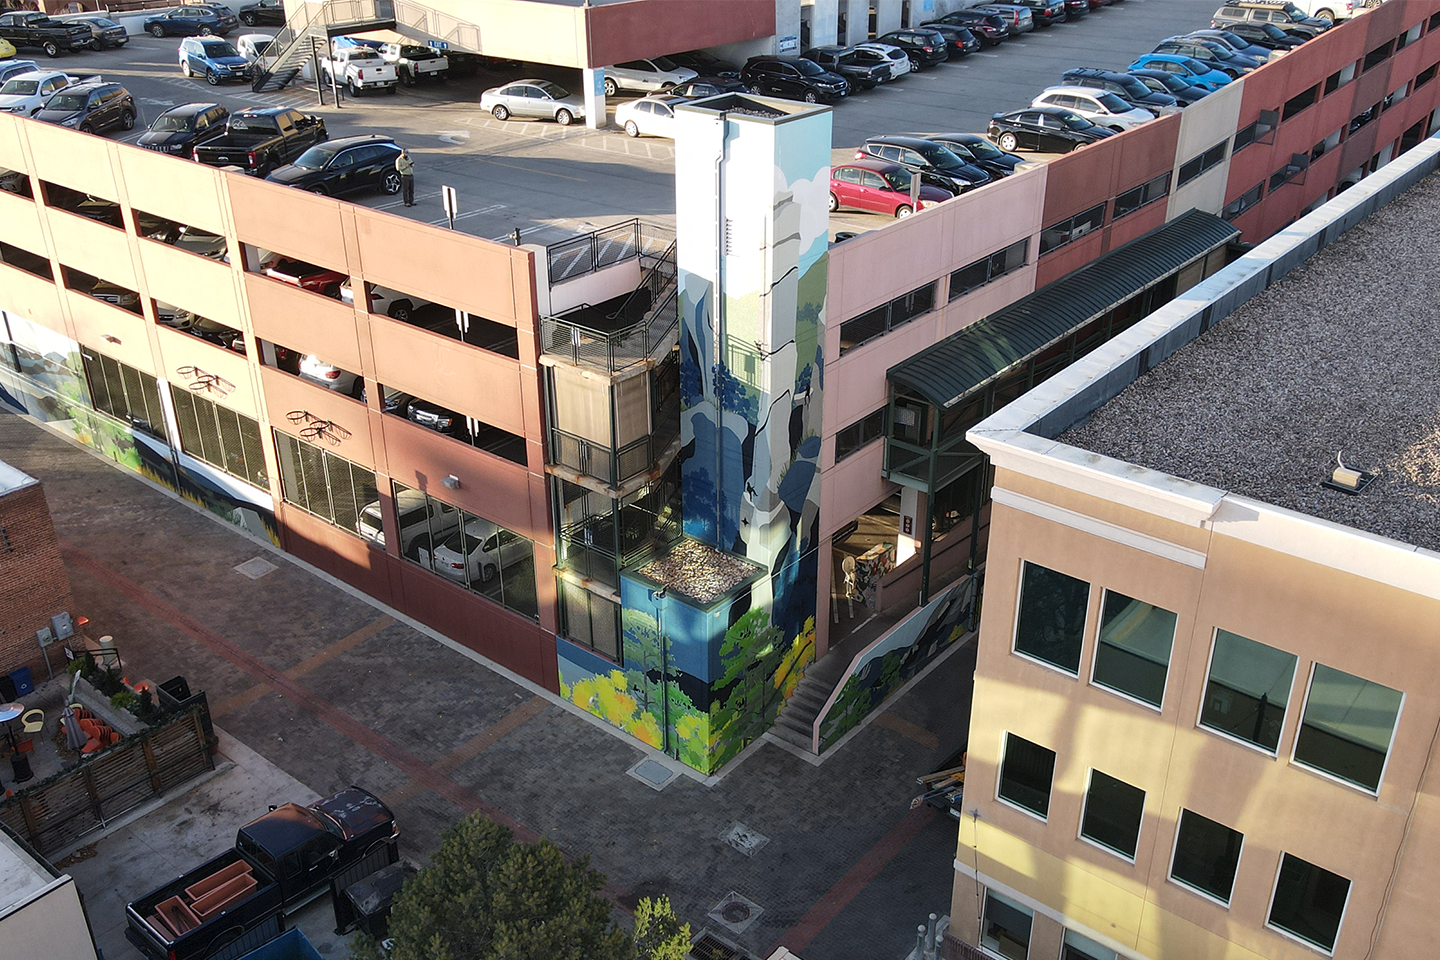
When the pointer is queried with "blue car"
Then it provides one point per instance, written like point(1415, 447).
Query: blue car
point(214, 59)
point(1189, 69)
point(192, 21)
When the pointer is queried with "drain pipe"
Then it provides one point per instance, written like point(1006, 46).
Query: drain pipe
point(718, 306)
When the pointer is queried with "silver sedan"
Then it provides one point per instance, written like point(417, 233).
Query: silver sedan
point(527, 99)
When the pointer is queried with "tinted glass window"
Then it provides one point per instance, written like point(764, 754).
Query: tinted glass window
point(1248, 688)
point(1005, 930)
point(1206, 855)
point(1113, 810)
point(847, 174)
point(1132, 651)
point(1051, 623)
point(1026, 774)
point(1309, 901)
point(1347, 726)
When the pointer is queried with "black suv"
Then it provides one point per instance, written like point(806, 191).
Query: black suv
point(1044, 12)
point(793, 77)
point(846, 61)
point(962, 40)
point(989, 27)
point(1124, 86)
point(925, 48)
point(936, 164)
point(90, 107)
point(343, 166)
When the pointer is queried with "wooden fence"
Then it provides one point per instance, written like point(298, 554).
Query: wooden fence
point(58, 811)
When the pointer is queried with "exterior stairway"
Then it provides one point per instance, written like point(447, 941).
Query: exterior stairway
point(308, 33)
point(796, 722)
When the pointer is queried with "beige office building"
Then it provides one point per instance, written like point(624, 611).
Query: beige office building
point(1207, 696)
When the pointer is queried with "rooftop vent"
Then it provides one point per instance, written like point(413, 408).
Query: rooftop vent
point(1347, 479)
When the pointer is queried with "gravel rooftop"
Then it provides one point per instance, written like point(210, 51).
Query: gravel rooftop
point(1343, 354)
point(699, 571)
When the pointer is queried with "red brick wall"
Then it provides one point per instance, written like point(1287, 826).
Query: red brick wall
point(33, 585)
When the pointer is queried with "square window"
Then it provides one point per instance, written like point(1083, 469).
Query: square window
point(1346, 727)
point(1309, 902)
point(1248, 689)
point(1051, 622)
point(1112, 814)
point(1132, 651)
point(1206, 855)
point(1005, 930)
point(1026, 774)
point(1083, 948)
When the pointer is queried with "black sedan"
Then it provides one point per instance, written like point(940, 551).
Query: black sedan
point(1075, 9)
point(1265, 35)
point(708, 87)
point(989, 27)
point(1044, 129)
point(1162, 82)
point(344, 165)
point(975, 149)
point(179, 129)
point(192, 21)
point(846, 61)
point(961, 40)
point(263, 11)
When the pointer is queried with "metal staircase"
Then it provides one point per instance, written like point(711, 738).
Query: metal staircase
point(308, 34)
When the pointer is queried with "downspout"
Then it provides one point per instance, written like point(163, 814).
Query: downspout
point(718, 301)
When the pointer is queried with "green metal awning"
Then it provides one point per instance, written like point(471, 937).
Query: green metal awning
point(956, 366)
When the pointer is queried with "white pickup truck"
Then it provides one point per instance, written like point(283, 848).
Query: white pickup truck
point(415, 62)
point(359, 69)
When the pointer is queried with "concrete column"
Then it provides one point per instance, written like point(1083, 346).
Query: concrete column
point(887, 17)
point(823, 14)
point(593, 80)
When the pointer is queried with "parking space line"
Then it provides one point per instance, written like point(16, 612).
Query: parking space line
point(396, 203)
point(493, 208)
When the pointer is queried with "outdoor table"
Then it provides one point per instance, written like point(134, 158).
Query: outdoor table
point(19, 763)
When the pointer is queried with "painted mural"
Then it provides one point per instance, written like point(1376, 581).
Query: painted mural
point(886, 666)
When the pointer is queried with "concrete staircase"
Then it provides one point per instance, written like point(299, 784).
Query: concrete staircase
point(796, 722)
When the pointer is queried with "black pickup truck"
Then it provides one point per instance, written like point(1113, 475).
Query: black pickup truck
point(260, 139)
point(237, 901)
point(30, 28)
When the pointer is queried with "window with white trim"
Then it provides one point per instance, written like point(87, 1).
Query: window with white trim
point(1113, 811)
point(1005, 929)
point(1207, 854)
point(1050, 625)
point(1248, 689)
point(1026, 773)
point(1309, 902)
point(1132, 649)
point(1347, 726)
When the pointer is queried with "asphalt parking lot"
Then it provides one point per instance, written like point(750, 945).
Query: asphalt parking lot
point(552, 182)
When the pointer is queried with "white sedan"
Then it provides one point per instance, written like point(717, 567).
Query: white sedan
point(899, 59)
point(479, 552)
point(27, 92)
point(650, 117)
point(646, 76)
point(1098, 106)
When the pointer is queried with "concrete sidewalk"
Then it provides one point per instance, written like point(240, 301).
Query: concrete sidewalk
point(333, 689)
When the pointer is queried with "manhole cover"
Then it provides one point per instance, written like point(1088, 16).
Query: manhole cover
point(744, 839)
point(256, 567)
point(653, 773)
point(735, 912)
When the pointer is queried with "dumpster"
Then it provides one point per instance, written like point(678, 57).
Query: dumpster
point(174, 694)
point(290, 945)
point(365, 904)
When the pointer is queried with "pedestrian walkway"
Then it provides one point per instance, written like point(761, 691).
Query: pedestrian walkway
point(334, 689)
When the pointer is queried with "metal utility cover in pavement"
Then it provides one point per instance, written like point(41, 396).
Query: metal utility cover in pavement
point(744, 839)
point(653, 774)
point(256, 567)
point(735, 913)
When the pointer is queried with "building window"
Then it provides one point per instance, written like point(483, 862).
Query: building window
point(1148, 192)
point(591, 620)
point(1072, 229)
point(1243, 202)
point(1248, 689)
point(124, 393)
point(989, 268)
point(219, 436)
point(1309, 902)
point(1378, 56)
point(1347, 726)
point(860, 433)
point(16, 182)
point(1025, 775)
point(1257, 131)
point(1195, 166)
point(1005, 930)
point(1339, 78)
point(1077, 947)
point(1426, 75)
point(1112, 814)
point(1298, 165)
point(886, 317)
point(1364, 117)
point(1206, 855)
point(1434, 22)
point(468, 550)
point(326, 486)
point(1300, 102)
point(1051, 622)
point(25, 260)
point(1132, 650)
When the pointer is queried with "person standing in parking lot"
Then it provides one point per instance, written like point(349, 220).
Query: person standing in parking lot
point(406, 168)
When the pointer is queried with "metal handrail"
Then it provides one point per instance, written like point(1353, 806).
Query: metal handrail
point(604, 247)
point(613, 350)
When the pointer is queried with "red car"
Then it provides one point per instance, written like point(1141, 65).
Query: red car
point(878, 186)
point(307, 276)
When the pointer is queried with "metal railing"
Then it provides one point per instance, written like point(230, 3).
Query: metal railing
point(607, 464)
point(617, 349)
point(605, 247)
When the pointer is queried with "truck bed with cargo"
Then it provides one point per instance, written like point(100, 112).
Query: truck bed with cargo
point(30, 28)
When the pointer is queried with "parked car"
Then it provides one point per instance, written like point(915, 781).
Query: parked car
point(989, 27)
point(880, 187)
point(846, 61)
point(935, 164)
point(1335, 10)
point(898, 59)
point(14, 68)
point(708, 87)
point(923, 46)
point(263, 11)
point(90, 107)
point(259, 139)
point(1264, 34)
point(534, 99)
point(1076, 9)
point(190, 21)
point(1044, 129)
point(1016, 16)
point(358, 69)
point(1124, 86)
point(7, 49)
point(418, 518)
point(793, 77)
point(1215, 55)
point(1098, 106)
point(385, 301)
point(704, 64)
point(331, 377)
point(28, 92)
point(29, 28)
point(1281, 13)
point(1045, 12)
point(1236, 44)
point(652, 75)
point(1189, 69)
point(104, 32)
point(479, 552)
point(649, 116)
point(306, 276)
point(179, 129)
point(415, 62)
point(1184, 92)
point(432, 416)
point(337, 167)
point(214, 59)
point(255, 47)
point(973, 148)
point(961, 41)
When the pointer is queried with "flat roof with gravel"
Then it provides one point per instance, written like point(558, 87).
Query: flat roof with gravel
point(1343, 354)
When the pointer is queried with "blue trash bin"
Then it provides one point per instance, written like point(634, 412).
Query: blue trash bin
point(23, 684)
